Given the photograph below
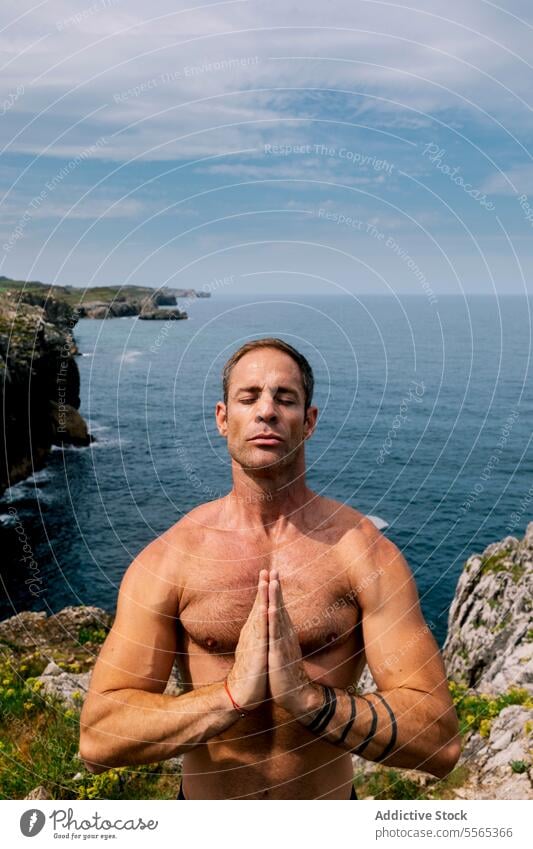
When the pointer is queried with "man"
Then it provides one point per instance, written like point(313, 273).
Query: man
point(272, 599)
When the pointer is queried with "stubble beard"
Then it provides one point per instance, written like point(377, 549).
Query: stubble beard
point(270, 466)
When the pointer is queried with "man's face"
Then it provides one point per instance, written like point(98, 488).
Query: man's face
point(265, 396)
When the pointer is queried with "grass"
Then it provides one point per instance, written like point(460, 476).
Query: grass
point(76, 295)
point(39, 739)
point(387, 783)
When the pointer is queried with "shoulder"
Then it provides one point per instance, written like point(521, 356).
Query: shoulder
point(353, 529)
point(159, 569)
point(375, 564)
point(196, 524)
point(175, 547)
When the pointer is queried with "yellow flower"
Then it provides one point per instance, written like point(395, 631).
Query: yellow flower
point(28, 705)
point(10, 692)
point(484, 727)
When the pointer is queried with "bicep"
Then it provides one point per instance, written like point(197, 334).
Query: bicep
point(139, 650)
point(400, 648)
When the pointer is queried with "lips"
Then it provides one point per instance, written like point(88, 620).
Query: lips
point(268, 438)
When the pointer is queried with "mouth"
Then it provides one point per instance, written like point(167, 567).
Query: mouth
point(268, 439)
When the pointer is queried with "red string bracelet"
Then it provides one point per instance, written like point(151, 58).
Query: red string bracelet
point(233, 702)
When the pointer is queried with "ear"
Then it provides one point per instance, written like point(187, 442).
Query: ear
point(310, 422)
point(221, 417)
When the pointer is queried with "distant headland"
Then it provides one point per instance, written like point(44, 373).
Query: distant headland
point(105, 301)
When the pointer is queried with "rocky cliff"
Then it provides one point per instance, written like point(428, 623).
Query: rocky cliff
point(39, 383)
point(489, 644)
point(488, 659)
point(146, 306)
point(489, 655)
point(106, 301)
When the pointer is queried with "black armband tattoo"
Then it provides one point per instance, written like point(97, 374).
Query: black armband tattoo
point(327, 711)
point(391, 743)
point(348, 726)
point(372, 731)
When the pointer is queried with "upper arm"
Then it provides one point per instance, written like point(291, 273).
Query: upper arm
point(139, 650)
point(400, 648)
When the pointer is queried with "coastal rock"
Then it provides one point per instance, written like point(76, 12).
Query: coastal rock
point(69, 428)
point(39, 793)
point(164, 297)
point(70, 687)
point(37, 370)
point(500, 765)
point(488, 650)
point(32, 629)
point(163, 315)
point(191, 293)
point(489, 644)
point(120, 307)
point(117, 308)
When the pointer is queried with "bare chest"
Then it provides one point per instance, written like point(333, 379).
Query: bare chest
point(220, 590)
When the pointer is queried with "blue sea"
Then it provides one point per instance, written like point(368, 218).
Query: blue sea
point(425, 421)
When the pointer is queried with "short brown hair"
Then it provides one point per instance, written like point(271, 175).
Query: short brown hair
point(306, 371)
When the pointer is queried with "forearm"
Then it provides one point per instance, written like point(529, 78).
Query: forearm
point(132, 727)
point(399, 727)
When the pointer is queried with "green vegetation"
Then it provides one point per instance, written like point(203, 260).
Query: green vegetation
point(39, 739)
point(518, 766)
point(92, 634)
point(388, 783)
point(75, 295)
point(500, 563)
point(476, 711)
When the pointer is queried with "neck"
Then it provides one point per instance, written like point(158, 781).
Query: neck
point(268, 504)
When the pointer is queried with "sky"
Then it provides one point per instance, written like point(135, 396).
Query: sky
point(286, 147)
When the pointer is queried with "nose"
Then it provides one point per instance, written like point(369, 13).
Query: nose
point(266, 410)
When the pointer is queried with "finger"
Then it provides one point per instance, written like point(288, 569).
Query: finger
point(274, 626)
point(286, 623)
point(280, 604)
point(262, 612)
point(262, 583)
point(257, 617)
point(262, 590)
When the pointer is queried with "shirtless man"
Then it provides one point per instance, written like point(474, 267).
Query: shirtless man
point(271, 599)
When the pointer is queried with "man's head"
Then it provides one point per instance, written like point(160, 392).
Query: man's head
point(268, 389)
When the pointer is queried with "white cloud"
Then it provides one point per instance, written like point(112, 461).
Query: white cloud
point(515, 180)
point(406, 64)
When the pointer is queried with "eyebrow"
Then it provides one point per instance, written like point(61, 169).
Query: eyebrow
point(284, 389)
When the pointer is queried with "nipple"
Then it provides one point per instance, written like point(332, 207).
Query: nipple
point(332, 637)
point(211, 642)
